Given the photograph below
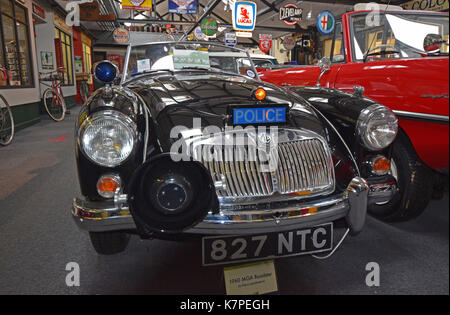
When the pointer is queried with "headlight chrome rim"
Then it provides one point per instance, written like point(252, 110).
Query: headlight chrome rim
point(364, 120)
point(126, 122)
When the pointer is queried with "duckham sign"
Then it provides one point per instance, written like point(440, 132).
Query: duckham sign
point(244, 16)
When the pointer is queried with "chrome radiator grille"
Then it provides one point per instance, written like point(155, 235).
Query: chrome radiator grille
point(302, 165)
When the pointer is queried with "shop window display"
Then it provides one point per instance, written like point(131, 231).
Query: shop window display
point(14, 45)
point(66, 49)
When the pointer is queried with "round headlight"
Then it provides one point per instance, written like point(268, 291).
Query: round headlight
point(107, 137)
point(377, 127)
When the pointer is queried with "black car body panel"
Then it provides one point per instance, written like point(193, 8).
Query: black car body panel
point(319, 176)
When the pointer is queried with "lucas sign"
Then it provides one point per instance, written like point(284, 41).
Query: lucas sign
point(244, 16)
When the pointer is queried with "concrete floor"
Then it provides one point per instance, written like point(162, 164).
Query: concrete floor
point(38, 238)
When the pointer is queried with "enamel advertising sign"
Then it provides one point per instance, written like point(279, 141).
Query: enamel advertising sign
point(290, 14)
point(183, 6)
point(265, 42)
point(230, 39)
point(325, 22)
point(140, 5)
point(244, 16)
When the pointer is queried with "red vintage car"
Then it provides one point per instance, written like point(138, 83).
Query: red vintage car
point(400, 59)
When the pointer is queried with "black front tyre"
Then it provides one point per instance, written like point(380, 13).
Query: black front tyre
point(415, 183)
point(109, 243)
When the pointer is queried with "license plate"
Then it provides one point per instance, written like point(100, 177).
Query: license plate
point(240, 248)
point(259, 115)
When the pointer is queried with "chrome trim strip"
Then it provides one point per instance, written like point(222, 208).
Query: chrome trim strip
point(352, 204)
point(91, 217)
point(406, 114)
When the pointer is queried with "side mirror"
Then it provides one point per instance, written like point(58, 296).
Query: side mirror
point(325, 66)
point(432, 43)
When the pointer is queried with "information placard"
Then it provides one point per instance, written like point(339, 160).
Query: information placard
point(255, 278)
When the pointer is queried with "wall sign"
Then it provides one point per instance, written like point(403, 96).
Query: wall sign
point(230, 39)
point(90, 11)
point(428, 5)
point(244, 34)
point(38, 11)
point(78, 64)
point(289, 43)
point(47, 60)
point(290, 14)
point(183, 6)
point(265, 42)
point(198, 34)
point(140, 5)
point(121, 35)
point(244, 16)
point(325, 22)
point(209, 26)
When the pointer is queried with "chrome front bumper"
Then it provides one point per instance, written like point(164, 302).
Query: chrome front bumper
point(351, 205)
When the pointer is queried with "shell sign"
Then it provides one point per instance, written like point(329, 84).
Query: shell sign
point(141, 5)
point(244, 16)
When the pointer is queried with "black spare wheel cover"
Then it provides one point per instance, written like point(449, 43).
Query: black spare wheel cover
point(170, 196)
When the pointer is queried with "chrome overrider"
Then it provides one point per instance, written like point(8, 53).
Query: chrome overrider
point(351, 205)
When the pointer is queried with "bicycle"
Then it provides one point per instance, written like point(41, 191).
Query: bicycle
point(6, 122)
point(56, 108)
point(85, 91)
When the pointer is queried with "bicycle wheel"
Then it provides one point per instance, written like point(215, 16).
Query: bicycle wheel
point(84, 91)
point(6, 122)
point(54, 105)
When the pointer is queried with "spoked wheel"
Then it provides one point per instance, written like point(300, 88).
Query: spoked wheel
point(54, 105)
point(84, 92)
point(6, 122)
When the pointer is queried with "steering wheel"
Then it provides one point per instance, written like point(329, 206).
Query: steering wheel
point(391, 50)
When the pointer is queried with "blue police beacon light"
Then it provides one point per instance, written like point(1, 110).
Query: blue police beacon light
point(105, 71)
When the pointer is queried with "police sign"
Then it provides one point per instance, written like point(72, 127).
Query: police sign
point(258, 115)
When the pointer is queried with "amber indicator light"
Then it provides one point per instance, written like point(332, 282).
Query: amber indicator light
point(260, 94)
point(107, 185)
point(381, 164)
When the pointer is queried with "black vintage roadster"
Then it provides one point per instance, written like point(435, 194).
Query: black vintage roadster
point(191, 142)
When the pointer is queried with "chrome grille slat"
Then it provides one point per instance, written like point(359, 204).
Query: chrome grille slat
point(282, 161)
point(290, 165)
point(230, 163)
point(306, 168)
point(235, 162)
point(293, 163)
point(302, 165)
point(301, 173)
point(319, 161)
